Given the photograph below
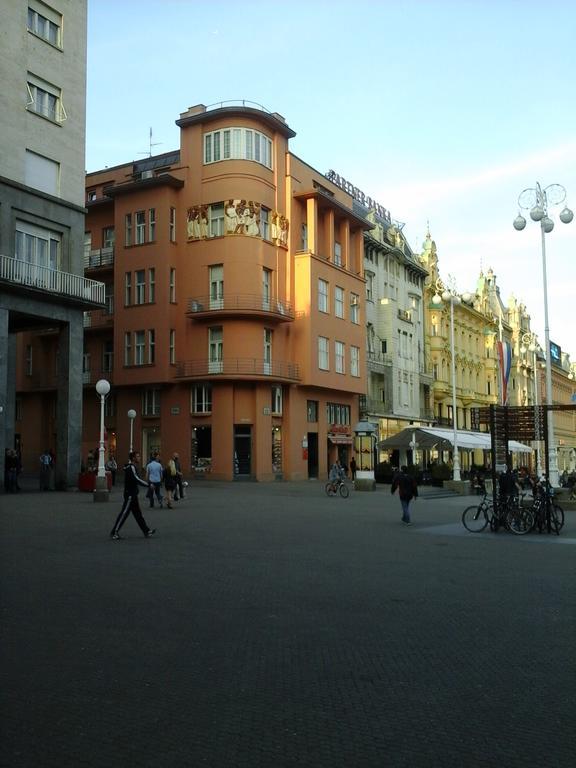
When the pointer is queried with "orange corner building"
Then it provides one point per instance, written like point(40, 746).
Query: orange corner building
point(234, 323)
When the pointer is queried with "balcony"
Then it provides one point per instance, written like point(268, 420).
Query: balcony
point(378, 362)
point(98, 320)
point(53, 283)
point(372, 407)
point(92, 376)
point(237, 368)
point(100, 258)
point(241, 304)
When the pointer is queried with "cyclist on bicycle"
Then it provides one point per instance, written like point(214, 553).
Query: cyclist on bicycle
point(336, 474)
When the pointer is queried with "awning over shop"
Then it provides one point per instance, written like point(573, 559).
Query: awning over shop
point(341, 440)
point(443, 439)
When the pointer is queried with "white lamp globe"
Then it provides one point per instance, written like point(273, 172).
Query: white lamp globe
point(566, 216)
point(102, 387)
point(131, 413)
point(547, 225)
point(537, 213)
point(436, 299)
point(519, 223)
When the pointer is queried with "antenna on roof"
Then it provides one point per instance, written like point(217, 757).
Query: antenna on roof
point(150, 145)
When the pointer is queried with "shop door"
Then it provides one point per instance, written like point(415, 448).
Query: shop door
point(313, 455)
point(242, 452)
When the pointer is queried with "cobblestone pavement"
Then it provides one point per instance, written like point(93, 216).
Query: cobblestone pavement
point(269, 626)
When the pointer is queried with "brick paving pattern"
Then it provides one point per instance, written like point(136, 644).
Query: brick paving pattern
point(268, 625)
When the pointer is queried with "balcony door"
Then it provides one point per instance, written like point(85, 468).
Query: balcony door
point(266, 288)
point(267, 351)
point(215, 350)
point(217, 287)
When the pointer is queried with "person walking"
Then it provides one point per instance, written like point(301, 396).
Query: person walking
point(170, 481)
point(353, 468)
point(112, 467)
point(179, 490)
point(407, 490)
point(45, 470)
point(154, 478)
point(130, 502)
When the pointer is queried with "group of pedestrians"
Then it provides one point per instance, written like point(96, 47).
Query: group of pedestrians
point(156, 475)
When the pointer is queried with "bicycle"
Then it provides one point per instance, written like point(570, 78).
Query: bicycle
point(333, 488)
point(507, 513)
point(541, 507)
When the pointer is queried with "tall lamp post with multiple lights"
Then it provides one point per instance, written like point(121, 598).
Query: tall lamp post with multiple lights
point(450, 296)
point(530, 344)
point(538, 201)
point(101, 485)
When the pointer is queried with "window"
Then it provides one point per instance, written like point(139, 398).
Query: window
point(267, 351)
point(322, 295)
point(265, 223)
point(172, 288)
point(217, 286)
point(110, 406)
point(266, 288)
point(369, 286)
point(151, 346)
point(139, 347)
point(216, 219)
point(339, 301)
point(339, 361)
point(312, 411)
point(127, 348)
point(172, 225)
point(45, 99)
point(140, 227)
point(354, 308)
point(172, 346)
point(304, 237)
point(108, 237)
point(237, 144)
point(128, 289)
point(108, 357)
point(48, 29)
point(128, 229)
point(109, 298)
point(323, 357)
point(355, 361)
point(337, 413)
point(151, 285)
point(215, 349)
point(28, 360)
point(152, 225)
point(42, 173)
point(86, 368)
point(140, 287)
point(337, 254)
point(276, 403)
point(38, 246)
point(201, 400)
point(151, 402)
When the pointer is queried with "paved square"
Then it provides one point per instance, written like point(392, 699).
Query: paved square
point(268, 625)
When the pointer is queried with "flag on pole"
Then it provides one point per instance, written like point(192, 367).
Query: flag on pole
point(505, 360)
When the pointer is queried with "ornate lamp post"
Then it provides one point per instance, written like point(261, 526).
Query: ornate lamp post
point(101, 487)
point(451, 297)
point(537, 201)
point(530, 344)
point(131, 416)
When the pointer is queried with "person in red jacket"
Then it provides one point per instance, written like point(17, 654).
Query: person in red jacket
point(407, 490)
point(130, 503)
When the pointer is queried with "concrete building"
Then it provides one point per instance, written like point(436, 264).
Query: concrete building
point(234, 322)
point(42, 283)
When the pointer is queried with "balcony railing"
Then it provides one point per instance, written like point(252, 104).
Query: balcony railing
point(64, 284)
point(239, 367)
point(98, 319)
point(100, 257)
point(377, 361)
point(239, 303)
point(371, 406)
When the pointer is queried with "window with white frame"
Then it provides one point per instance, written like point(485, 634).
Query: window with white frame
point(42, 173)
point(339, 362)
point(304, 237)
point(276, 403)
point(127, 348)
point(322, 295)
point(216, 276)
point(151, 402)
point(172, 286)
point(152, 225)
point(45, 99)
point(140, 286)
point(265, 223)
point(172, 225)
point(267, 351)
point(151, 346)
point(201, 398)
point(172, 346)
point(323, 354)
point(216, 219)
point(140, 228)
point(339, 301)
point(108, 237)
point(139, 347)
point(46, 23)
point(151, 285)
point(369, 286)
point(355, 308)
point(128, 229)
point(36, 245)
point(354, 361)
point(337, 413)
point(266, 288)
point(338, 254)
point(237, 144)
point(215, 349)
point(127, 289)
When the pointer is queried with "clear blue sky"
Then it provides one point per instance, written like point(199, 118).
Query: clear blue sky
point(442, 111)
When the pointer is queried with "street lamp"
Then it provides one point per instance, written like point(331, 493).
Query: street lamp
point(131, 416)
point(537, 200)
point(101, 487)
point(529, 344)
point(450, 296)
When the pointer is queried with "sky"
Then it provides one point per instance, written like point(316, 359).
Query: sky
point(443, 112)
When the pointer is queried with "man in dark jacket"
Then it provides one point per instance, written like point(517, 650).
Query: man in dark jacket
point(130, 503)
point(407, 490)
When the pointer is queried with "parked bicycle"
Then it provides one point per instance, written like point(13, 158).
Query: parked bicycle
point(333, 488)
point(544, 505)
point(507, 513)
